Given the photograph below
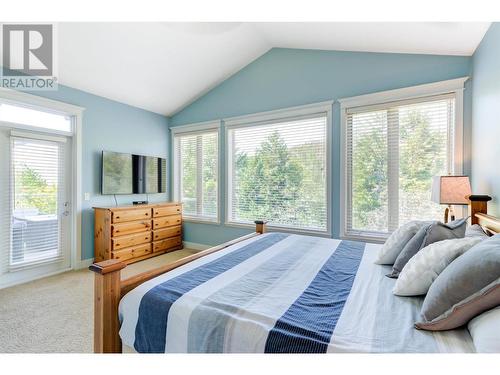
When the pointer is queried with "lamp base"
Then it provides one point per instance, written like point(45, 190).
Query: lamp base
point(449, 211)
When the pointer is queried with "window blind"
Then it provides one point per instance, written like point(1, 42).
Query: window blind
point(196, 169)
point(277, 172)
point(37, 191)
point(392, 152)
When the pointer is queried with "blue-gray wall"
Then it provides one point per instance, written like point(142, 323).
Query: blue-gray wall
point(280, 78)
point(289, 77)
point(109, 125)
point(486, 117)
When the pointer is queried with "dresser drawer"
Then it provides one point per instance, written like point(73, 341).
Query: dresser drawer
point(132, 252)
point(130, 215)
point(167, 210)
point(166, 244)
point(160, 234)
point(130, 240)
point(131, 227)
point(167, 221)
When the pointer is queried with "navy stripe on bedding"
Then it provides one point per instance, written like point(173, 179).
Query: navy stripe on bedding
point(150, 331)
point(308, 324)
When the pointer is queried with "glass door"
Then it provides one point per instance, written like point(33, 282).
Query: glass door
point(34, 206)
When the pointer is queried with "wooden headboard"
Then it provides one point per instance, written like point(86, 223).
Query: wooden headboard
point(490, 224)
point(479, 214)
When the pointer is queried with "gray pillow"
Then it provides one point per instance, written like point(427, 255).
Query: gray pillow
point(469, 286)
point(475, 231)
point(426, 235)
point(397, 241)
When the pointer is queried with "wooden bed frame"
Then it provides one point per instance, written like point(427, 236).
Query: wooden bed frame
point(479, 214)
point(109, 288)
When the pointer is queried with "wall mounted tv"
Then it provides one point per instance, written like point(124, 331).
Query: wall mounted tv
point(132, 174)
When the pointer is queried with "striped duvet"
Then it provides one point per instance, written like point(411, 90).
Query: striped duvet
point(279, 293)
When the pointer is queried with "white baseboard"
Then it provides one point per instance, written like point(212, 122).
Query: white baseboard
point(85, 263)
point(195, 246)
point(30, 279)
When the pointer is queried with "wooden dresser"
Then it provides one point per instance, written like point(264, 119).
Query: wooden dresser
point(133, 233)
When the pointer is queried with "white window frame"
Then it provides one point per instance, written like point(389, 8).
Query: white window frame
point(453, 86)
point(193, 129)
point(275, 116)
point(76, 114)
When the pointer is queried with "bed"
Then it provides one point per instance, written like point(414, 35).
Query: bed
point(264, 293)
point(279, 293)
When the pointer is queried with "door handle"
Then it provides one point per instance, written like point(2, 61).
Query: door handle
point(66, 211)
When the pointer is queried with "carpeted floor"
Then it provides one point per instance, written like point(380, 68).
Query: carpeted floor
point(55, 314)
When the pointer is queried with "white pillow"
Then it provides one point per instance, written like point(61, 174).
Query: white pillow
point(426, 265)
point(485, 331)
point(397, 241)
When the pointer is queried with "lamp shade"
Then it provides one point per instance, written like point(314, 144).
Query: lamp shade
point(450, 189)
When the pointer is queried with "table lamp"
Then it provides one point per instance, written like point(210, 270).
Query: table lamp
point(450, 190)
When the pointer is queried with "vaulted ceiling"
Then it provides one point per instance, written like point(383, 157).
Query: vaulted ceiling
point(162, 67)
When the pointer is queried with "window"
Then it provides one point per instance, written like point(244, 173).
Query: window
point(34, 118)
point(392, 152)
point(277, 171)
point(196, 170)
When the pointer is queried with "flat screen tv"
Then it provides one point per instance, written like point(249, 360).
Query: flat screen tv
point(132, 174)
